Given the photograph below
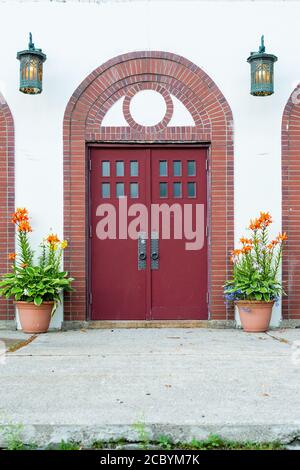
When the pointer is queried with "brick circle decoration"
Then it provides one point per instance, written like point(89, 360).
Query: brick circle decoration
point(7, 238)
point(168, 74)
point(290, 174)
point(132, 91)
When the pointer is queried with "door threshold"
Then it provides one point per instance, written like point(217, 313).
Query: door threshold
point(116, 324)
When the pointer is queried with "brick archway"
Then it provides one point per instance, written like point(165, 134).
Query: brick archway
point(7, 243)
point(290, 142)
point(123, 76)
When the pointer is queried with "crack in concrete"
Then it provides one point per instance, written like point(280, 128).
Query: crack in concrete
point(21, 344)
point(281, 340)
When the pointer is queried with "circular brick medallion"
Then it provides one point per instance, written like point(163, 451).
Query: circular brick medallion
point(133, 91)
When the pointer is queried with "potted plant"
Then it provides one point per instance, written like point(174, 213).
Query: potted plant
point(255, 285)
point(35, 286)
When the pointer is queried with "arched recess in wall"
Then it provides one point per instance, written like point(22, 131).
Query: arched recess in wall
point(119, 78)
point(7, 243)
point(290, 134)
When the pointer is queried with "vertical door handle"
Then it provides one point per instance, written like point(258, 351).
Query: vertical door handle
point(154, 250)
point(142, 251)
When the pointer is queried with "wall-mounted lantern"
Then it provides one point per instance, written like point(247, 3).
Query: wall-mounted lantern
point(262, 71)
point(31, 69)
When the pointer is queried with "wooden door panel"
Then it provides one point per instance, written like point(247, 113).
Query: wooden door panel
point(179, 286)
point(118, 287)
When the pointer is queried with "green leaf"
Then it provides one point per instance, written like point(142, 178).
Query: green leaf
point(38, 300)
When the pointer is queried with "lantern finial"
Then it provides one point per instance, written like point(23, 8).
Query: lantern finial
point(30, 45)
point(262, 44)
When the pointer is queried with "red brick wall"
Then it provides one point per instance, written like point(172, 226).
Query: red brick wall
point(122, 76)
point(6, 197)
point(291, 204)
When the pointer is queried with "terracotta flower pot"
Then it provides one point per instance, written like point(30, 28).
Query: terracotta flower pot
point(34, 318)
point(255, 315)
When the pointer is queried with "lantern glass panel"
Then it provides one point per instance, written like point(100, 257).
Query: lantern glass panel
point(40, 71)
point(262, 74)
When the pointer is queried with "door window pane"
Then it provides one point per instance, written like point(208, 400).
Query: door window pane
point(105, 168)
point(120, 189)
point(134, 168)
point(177, 168)
point(163, 168)
point(177, 189)
point(134, 190)
point(191, 189)
point(105, 190)
point(163, 190)
point(119, 168)
point(191, 168)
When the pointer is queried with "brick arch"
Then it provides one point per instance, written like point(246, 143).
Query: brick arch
point(6, 197)
point(290, 145)
point(213, 125)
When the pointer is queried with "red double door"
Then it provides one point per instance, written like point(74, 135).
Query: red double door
point(148, 274)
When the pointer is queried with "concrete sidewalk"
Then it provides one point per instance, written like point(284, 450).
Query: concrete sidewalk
point(93, 385)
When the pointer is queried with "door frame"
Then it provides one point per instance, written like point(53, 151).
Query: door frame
point(123, 145)
point(120, 77)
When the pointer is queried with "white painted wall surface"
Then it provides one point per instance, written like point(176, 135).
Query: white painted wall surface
point(217, 36)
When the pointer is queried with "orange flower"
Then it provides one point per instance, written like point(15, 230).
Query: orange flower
point(246, 248)
point(20, 215)
point(236, 252)
point(21, 219)
point(272, 244)
point(53, 240)
point(12, 256)
point(24, 226)
point(255, 224)
point(265, 219)
point(24, 265)
point(281, 237)
point(246, 241)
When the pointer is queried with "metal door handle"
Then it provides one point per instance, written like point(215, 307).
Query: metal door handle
point(142, 251)
point(154, 250)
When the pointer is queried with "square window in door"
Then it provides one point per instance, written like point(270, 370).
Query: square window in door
point(105, 190)
point(163, 190)
point(119, 168)
point(120, 190)
point(134, 168)
point(163, 168)
point(176, 168)
point(134, 190)
point(106, 168)
point(191, 167)
point(177, 190)
point(191, 187)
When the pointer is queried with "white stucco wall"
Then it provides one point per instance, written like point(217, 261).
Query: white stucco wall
point(217, 36)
